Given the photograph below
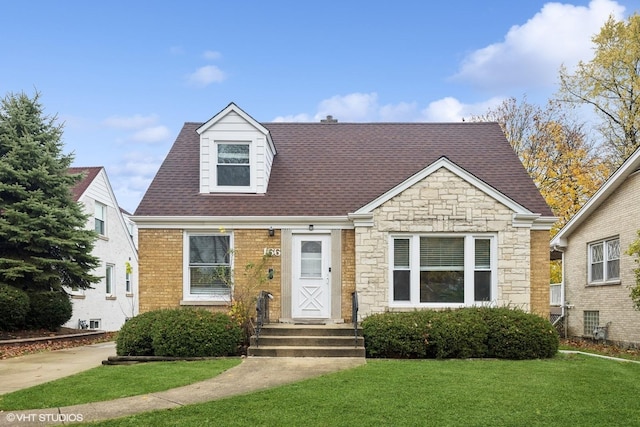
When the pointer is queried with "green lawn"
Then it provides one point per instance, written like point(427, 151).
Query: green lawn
point(112, 382)
point(571, 390)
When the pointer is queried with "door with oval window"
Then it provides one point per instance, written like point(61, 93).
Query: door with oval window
point(311, 281)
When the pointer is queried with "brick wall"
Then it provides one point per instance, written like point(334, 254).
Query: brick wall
point(442, 202)
point(617, 216)
point(249, 265)
point(160, 269)
point(540, 274)
point(348, 272)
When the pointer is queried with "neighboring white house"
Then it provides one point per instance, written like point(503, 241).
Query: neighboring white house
point(115, 298)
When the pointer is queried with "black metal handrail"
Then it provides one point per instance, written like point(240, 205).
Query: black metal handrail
point(354, 315)
point(262, 312)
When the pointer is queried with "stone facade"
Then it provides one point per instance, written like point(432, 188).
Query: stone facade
point(616, 217)
point(444, 202)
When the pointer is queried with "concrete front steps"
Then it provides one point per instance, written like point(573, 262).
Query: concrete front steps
point(292, 340)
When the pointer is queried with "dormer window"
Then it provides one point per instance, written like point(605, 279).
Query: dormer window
point(236, 154)
point(234, 165)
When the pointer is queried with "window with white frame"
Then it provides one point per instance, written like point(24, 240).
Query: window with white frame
point(100, 219)
point(233, 164)
point(442, 270)
point(127, 282)
point(209, 267)
point(604, 261)
point(108, 280)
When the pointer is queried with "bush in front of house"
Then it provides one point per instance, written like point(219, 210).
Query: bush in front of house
point(514, 334)
point(14, 306)
point(196, 333)
point(463, 333)
point(134, 337)
point(48, 310)
point(179, 332)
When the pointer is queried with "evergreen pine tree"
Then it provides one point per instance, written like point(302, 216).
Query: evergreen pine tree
point(44, 244)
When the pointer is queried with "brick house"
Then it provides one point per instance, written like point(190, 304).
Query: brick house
point(411, 215)
point(115, 298)
point(597, 271)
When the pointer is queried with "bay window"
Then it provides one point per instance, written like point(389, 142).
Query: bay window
point(442, 270)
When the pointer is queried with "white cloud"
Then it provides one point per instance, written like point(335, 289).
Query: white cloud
point(206, 75)
point(133, 122)
point(450, 109)
point(532, 53)
point(355, 107)
point(303, 117)
point(211, 55)
point(151, 134)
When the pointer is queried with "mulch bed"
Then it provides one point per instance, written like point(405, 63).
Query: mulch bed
point(18, 343)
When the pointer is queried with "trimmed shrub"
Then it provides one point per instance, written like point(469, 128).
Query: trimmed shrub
point(397, 335)
point(514, 334)
point(134, 338)
point(179, 332)
point(48, 310)
point(195, 333)
point(458, 334)
point(14, 307)
point(462, 333)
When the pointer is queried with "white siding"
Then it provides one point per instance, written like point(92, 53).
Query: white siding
point(233, 127)
point(116, 248)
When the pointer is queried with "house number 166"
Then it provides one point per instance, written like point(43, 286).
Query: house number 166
point(271, 251)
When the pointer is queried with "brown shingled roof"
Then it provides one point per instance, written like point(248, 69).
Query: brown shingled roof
point(334, 169)
point(90, 174)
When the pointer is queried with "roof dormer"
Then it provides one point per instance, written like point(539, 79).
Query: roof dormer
point(236, 153)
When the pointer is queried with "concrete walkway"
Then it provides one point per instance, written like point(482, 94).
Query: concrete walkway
point(253, 374)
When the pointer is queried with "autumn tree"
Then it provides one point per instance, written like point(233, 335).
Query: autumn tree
point(555, 152)
point(610, 83)
point(44, 244)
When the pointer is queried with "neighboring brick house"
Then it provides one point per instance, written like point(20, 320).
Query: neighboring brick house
point(115, 298)
point(597, 270)
point(411, 215)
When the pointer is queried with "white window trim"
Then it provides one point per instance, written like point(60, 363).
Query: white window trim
point(234, 139)
point(103, 219)
point(469, 270)
point(110, 278)
point(605, 280)
point(186, 273)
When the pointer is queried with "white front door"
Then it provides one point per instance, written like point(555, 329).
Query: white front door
point(311, 281)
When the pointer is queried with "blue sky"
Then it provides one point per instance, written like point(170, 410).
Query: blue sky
point(123, 76)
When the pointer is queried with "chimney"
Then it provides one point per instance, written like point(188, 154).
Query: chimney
point(329, 119)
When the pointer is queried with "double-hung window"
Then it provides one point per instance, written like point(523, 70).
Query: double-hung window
point(233, 164)
point(604, 261)
point(209, 267)
point(100, 219)
point(445, 270)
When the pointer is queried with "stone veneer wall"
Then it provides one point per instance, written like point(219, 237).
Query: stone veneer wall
point(442, 202)
point(617, 216)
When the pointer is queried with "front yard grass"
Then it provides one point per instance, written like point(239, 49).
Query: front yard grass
point(113, 382)
point(569, 390)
